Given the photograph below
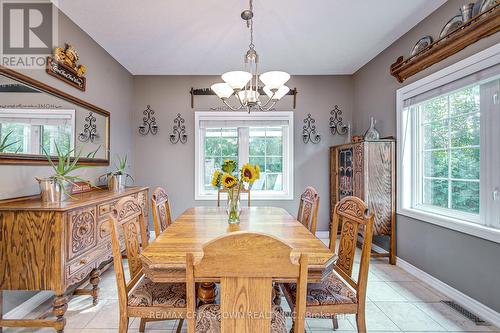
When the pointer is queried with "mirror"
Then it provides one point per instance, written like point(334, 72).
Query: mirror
point(35, 118)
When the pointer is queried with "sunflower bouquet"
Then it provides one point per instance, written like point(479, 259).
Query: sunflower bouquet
point(234, 180)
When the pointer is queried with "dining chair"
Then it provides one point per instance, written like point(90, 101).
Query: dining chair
point(140, 297)
point(339, 293)
point(162, 217)
point(308, 209)
point(246, 264)
point(223, 190)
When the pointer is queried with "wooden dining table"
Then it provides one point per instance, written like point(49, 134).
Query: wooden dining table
point(164, 260)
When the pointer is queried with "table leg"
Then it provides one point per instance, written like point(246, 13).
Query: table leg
point(95, 278)
point(207, 292)
point(60, 306)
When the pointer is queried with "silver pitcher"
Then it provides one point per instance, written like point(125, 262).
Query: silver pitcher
point(116, 183)
point(50, 190)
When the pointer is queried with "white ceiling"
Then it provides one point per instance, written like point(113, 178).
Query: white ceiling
point(208, 36)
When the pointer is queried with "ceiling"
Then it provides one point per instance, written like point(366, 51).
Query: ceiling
point(203, 37)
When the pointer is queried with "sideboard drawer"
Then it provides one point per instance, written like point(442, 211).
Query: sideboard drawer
point(82, 231)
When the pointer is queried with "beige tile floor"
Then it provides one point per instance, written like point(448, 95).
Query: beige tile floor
point(397, 302)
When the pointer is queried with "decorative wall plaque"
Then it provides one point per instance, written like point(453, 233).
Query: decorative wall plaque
point(64, 65)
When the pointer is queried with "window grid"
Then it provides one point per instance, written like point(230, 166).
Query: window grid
point(449, 148)
point(266, 156)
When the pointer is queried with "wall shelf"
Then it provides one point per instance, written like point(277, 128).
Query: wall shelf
point(480, 26)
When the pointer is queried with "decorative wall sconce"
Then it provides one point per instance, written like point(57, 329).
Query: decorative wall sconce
point(148, 122)
point(179, 130)
point(336, 125)
point(309, 131)
point(89, 132)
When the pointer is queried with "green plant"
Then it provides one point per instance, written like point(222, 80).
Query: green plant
point(66, 164)
point(120, 168)
point(4, 145)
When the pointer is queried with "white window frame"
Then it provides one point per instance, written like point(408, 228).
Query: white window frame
point(43, 114)
point(406, 163)
point(287, 193)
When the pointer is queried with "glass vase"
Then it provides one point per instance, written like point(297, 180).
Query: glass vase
point(372, 134)
point(233, 206)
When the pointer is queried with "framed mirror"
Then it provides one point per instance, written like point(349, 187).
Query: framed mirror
point(36, 118)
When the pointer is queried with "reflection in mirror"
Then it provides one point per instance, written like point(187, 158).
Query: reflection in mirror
point(28, 131)
point(33, 120)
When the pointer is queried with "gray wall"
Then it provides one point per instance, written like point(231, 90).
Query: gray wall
point(109, 86)
point(160, 163)
point(464, 262)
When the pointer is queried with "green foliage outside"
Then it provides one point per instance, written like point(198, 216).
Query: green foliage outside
point(450, 133)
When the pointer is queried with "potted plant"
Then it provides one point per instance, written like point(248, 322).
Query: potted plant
point(4, 145)
point(117, 179)
point(233, 180)
point(53, 188)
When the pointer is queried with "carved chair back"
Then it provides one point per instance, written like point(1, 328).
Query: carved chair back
point(162, 217)
point(246, 276)
point(128, 218)
point(223, 190)
point(354, 217)
point(308, 208)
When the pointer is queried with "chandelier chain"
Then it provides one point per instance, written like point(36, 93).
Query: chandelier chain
point(250, 26)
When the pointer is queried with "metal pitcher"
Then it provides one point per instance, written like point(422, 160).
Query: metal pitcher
point(116, 183)
point(50, 190)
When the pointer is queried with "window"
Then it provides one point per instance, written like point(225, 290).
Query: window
point(31, 131)
point(449, 157)
point(258, 138)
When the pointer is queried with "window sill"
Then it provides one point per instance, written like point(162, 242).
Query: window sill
point(462, 226)
point(276, 197)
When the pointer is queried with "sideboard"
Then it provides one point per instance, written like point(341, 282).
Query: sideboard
point(57, 247)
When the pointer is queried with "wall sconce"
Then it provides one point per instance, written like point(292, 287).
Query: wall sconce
point(179, 130)
point(89, 132)
point(309, 131)
point(148, 122)
point(336, 125)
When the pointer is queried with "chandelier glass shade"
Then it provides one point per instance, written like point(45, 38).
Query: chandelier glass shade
point(244, 85)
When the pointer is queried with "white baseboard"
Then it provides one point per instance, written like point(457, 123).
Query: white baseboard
point(467, 302)
point(24, 309)
point(323, 234)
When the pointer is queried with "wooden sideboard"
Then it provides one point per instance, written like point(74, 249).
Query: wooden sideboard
point(367, 170)
point(57, 247)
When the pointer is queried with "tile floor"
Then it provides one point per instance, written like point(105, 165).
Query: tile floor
point(397, 302)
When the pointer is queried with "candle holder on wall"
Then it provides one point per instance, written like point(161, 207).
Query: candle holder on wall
point(89, 132)
point(179, 130)
point(148, 122)
point(336, 124)
point(309, 133)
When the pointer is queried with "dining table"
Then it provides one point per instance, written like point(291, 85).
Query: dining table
point(164, 259)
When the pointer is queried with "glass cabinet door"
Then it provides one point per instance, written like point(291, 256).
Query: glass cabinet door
point(345, 172)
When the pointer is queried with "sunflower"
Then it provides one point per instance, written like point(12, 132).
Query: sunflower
point(216, 178)
point(229, 166)
point(228, 181)
point(248, 173)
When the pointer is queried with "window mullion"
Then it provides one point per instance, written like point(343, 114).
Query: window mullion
point(243, 145)
point(449, 154)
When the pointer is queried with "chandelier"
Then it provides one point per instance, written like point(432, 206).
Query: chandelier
point(244, 85)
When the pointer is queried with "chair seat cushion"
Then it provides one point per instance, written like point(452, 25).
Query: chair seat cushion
point(149, 293)
point(208, 319)
point(331, 290)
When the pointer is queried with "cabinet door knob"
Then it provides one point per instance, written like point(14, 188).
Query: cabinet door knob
point(495, 195)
